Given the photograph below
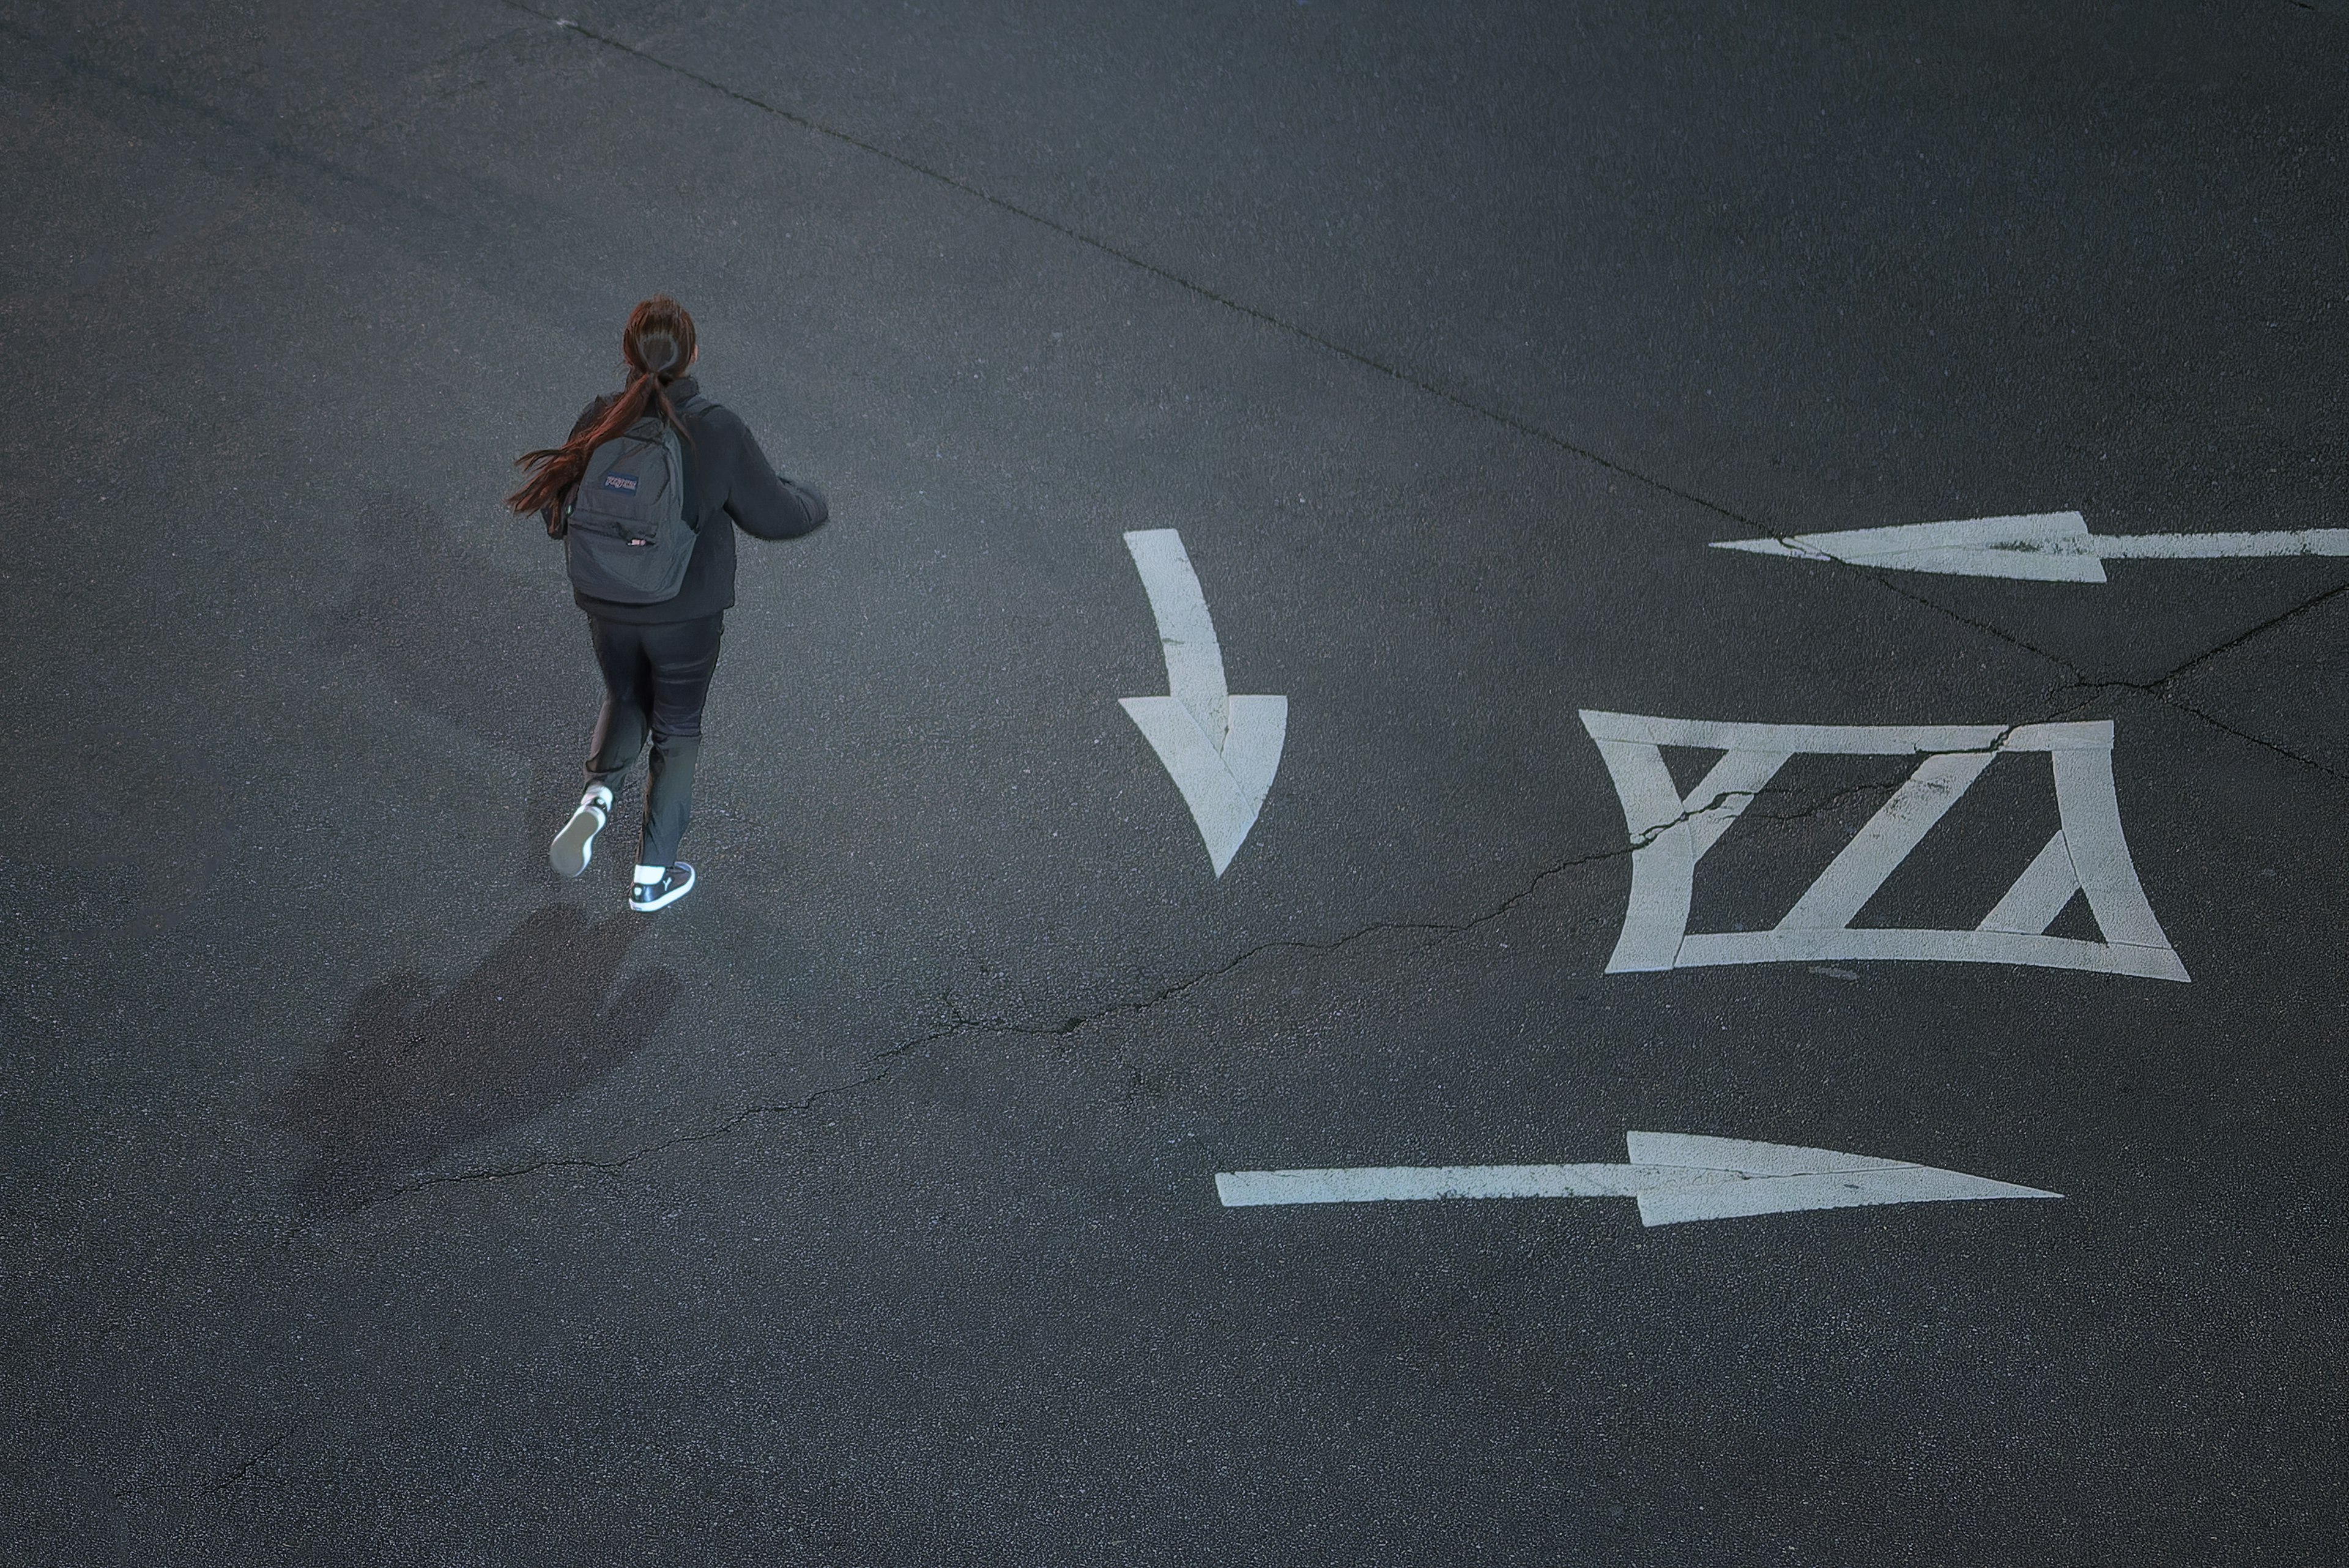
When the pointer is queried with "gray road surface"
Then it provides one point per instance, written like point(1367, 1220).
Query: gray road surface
point(370, 1197)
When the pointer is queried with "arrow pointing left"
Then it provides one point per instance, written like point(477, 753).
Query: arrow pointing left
point(2042, 546)
point(1222, 751)
point(1673, 1176)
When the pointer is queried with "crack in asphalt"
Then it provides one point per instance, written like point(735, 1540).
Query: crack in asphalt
point(1130, 258)
point(2260, 740)
point(1398, 373)
point(2080, 678)
point(885, 1060)
point(1437, 929)
point(277, 148)
point(2158, 688)
point(883, 1064)
point(280, 149)
point(1445, 929)
point(245, 1471)
point(703, 1135)
point(2261, 629)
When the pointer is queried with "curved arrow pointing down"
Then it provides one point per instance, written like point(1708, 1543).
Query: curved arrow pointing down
point(1221, 751)
point(1675, 1176)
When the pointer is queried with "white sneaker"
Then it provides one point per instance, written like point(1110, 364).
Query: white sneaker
point(575, 846)
point(675, 882)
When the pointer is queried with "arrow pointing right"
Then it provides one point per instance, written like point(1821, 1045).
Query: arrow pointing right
point(2044, 546)
point(1674, 1176)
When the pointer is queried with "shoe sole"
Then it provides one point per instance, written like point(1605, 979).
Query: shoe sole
point(575, 846)
point(665, 900)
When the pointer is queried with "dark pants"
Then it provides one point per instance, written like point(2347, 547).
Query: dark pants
point(656, 679)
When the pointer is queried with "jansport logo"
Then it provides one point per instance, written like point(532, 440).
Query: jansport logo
point(626, 484)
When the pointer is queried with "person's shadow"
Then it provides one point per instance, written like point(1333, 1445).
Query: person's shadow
point(415, 1075)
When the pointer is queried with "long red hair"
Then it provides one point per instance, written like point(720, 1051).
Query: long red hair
point(657, 344)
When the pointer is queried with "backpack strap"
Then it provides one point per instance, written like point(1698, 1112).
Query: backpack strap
point(694, 404)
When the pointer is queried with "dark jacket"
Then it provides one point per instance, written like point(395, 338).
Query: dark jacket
point(726, 476)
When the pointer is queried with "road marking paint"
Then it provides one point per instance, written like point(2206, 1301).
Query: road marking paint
point(1670, 833)
point(1674, 1177)
point(1221, 751)
point(2046, 547)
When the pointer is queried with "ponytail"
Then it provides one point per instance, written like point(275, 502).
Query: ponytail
point(658, 345)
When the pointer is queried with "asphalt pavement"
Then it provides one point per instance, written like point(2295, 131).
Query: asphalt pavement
point(369, 1195)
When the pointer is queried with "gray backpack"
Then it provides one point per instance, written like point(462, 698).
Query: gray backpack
point(626, 539)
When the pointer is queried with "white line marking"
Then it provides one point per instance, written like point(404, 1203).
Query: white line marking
point(1670, 833)
point(1675, 1176)
point(2219, 546)
point(1221, 751)
point(2046, 547)
point(1194, 661)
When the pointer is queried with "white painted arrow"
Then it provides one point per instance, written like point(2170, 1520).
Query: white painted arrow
point(2047, 546)
point(1222, 751)
point(1674, 1176)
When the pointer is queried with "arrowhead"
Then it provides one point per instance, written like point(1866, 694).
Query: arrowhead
point(2047, 546)
point(1687, 1177)
point(1225, 789)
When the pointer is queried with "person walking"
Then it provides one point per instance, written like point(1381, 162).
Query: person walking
point(646, 495)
